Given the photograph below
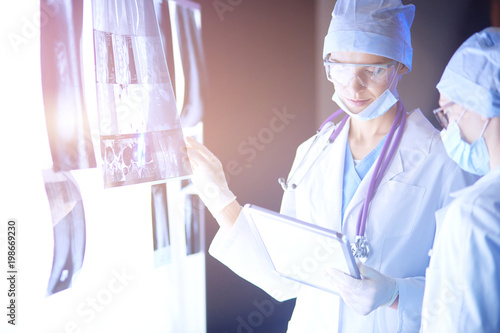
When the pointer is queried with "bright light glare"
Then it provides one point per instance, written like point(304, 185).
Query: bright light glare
point(179, 73)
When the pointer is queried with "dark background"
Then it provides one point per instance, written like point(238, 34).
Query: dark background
point(261, 55)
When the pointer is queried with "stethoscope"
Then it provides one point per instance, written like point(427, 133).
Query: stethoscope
point(361, 249)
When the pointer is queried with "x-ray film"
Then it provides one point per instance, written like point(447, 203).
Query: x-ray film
point(68, 221)
point(65, 113)
point(140, 131)
point(193, 216)
point(180, 30)
point(161, 227)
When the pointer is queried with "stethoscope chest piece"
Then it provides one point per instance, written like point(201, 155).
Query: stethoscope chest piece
point(361, 249)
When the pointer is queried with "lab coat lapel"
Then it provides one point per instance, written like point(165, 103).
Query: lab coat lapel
point(336, 181)
point(394, 168)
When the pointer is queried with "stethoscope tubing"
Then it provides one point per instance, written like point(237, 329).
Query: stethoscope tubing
point(382, 165)
point(385, 158)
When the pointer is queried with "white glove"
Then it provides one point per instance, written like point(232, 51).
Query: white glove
point(208, 177)
point(364, 295)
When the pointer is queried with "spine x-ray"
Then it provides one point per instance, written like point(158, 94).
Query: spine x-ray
point(140, 132)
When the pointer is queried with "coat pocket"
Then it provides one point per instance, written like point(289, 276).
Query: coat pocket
point(394, 209)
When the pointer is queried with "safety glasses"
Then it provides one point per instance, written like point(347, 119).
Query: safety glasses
point(369, 75)
point(441, 115)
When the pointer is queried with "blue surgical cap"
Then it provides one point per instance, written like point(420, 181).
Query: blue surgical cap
point(380, 27)
point(472, 77)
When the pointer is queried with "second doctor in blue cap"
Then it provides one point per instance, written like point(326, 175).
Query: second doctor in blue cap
point(379, 182)
point(463, 279)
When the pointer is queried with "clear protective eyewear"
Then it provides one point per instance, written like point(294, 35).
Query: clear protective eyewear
point(442, 116)
point(369, 75)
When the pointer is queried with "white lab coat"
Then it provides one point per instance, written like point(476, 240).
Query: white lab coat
point(463, 278)
point(400, 228)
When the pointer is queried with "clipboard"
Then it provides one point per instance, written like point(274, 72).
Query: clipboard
point(298, 250)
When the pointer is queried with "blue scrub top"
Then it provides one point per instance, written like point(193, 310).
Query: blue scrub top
point(354, 174)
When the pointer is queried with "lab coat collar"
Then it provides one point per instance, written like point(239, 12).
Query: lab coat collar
point(337, 179)
point(394, 168)
point(416, 142)
point(419, 133)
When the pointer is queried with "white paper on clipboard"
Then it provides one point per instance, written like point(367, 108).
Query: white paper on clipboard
point(301, 251)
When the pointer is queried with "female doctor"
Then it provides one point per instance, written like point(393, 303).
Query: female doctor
point(379, 182)
point(463, 279)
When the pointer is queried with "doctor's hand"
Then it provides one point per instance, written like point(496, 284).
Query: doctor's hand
point(364, 295)
point(208, 178)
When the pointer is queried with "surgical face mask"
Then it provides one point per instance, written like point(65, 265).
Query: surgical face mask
point(473, 158)
point(377, 108)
